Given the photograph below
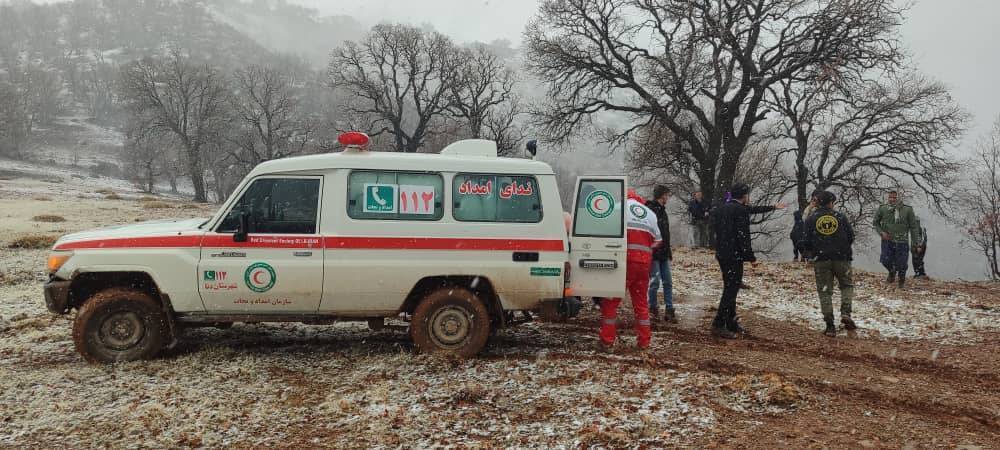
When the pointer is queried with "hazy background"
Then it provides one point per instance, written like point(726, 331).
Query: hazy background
point(952, 40)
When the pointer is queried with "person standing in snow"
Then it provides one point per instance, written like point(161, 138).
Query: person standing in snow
point(798, 236)
point(642, 236)
point(898, 227)
point(829, 236)
point(662, 257)
point(699, 209)
point(732, 250)
point(919, 251)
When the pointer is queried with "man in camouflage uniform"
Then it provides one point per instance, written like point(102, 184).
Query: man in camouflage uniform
point(898, 226)
point(829, 237)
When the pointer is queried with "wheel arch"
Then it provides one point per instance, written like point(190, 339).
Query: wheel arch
point(85, 284)
point(479, 285)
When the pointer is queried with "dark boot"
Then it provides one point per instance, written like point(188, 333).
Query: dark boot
point(848, 323)
point(902, 281)
point(737, 328)
point(831, 330)
point(891, 278)
point(723, 333)
point(669, 316)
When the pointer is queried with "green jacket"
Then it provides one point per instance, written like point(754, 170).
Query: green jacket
point(899, 221)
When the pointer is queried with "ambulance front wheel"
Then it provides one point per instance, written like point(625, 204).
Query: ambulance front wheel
point(450, 320)
point(119, 324)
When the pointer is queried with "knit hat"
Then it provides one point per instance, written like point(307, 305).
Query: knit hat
point(739, 190)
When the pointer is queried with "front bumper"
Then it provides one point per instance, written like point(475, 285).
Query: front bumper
point(57, 295)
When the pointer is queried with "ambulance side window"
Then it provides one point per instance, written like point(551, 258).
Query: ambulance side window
point(496, 198)
point(386, 195)
point(276, 206)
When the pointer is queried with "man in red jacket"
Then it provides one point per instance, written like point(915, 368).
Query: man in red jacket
point(643, 235)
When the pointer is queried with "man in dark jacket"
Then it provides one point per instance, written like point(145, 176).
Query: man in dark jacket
point(829, 236)
point(798, 236)
point(699, 209)
point(660, 268)
point(732, 249)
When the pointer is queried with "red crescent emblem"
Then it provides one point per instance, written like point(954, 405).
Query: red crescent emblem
point(597, 203)
point(254, 277)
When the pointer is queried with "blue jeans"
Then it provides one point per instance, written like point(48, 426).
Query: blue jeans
point(895, 256)
point(660, 270)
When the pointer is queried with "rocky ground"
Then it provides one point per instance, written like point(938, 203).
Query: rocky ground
point(922, 372)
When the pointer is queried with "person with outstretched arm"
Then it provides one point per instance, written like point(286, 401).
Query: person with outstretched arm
point(732, 250)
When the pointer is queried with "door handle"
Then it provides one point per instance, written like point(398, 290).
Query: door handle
point(303, 253)
point(613, 246)
point(525, 257)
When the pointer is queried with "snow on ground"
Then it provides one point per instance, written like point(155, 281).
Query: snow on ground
point(788, 292)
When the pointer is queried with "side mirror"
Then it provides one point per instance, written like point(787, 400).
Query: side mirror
point(532, 147)
point(241, 232)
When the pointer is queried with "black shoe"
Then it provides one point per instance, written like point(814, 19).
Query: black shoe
point(848, 323)
point(723, 333)
point(891, 278)
point(831, 330)
point(902, 282)
point(670, 316)
point(737, 328)
point(654, 315)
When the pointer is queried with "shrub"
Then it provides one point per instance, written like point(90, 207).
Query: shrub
point(33, 241)
point(156, 205)
point(42, 198)
point(51, 218)
point(113, 196)
point(104, 191)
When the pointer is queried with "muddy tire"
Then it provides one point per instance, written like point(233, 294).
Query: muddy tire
point(119, 324)
point(450, 320)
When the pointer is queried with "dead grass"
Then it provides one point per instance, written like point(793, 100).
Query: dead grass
point(156, 205)
point(113, 196)
point(147, 198)
point(49, 218)
point(33, 241)
point(41, 198)
point(104, 191)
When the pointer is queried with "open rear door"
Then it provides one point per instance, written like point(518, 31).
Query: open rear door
point(597, 241)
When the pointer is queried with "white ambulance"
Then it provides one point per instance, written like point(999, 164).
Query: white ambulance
point(459, 244)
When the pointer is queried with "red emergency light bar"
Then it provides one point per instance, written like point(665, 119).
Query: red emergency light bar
point(354, 139)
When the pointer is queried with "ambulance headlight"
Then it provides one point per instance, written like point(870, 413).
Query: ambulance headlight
point(57, 260)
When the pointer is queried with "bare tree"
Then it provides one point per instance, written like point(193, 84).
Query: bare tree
point(656, 158)
point(401, 79)
point(485, 85)
point(180, 96)
point(144, 153)
point(265, 105)
point(978, 206)
point(698, 68)
point(862, 136)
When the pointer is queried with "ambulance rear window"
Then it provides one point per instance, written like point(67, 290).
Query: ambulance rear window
point(496, 198)
point(386, 195)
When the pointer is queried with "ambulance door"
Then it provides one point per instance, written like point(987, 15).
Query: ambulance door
point(275, 264)
point(597, 241)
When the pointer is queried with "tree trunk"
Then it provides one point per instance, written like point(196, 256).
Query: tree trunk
point(197, 174)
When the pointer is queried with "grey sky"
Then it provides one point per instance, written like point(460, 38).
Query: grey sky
point(951, 40)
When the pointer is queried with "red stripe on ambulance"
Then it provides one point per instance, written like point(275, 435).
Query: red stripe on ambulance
point(332, 242)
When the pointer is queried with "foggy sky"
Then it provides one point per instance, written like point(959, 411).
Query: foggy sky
point(951, 40)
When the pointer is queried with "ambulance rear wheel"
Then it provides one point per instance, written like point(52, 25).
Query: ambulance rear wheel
point(450, 320)
point(119, 324)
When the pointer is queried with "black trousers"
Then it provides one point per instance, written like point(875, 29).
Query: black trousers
point(918, 262)
point(732, 279)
